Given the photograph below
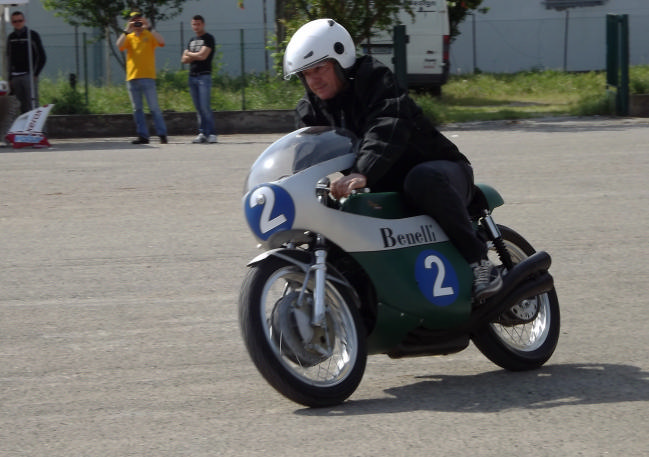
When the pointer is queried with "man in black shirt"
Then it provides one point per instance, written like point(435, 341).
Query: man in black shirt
point(18, 52)
point(199, 55)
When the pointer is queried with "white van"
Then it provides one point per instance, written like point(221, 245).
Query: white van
point(428, 45)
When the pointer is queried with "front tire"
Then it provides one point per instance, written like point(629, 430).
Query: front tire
point(519, 345)
point(315, 366)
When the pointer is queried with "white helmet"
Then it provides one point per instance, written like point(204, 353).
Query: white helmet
point(315, 42)
point(4, 87)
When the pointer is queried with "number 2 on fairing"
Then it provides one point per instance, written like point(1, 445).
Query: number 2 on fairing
point(436, 278)
point(266, 197)
point(269, 209)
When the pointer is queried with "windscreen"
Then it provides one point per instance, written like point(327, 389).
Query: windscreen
point(298, 151)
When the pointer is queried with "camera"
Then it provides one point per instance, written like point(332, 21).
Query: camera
point(137, 24)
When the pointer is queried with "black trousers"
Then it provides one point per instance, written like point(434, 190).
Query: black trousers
point(443, 189)
point(21, 86)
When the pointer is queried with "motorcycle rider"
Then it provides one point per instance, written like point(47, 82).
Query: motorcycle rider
point(400, 150)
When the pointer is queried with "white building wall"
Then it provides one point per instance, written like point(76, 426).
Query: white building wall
point(514, 35)
point(517, 35)
point(223, 19)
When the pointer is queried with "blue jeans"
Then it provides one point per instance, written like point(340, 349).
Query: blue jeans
point(137, 89)
point(200, 88)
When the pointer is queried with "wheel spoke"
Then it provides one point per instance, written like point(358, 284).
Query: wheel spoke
point(326, 359)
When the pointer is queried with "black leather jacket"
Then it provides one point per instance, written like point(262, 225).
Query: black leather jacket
point(395, 135)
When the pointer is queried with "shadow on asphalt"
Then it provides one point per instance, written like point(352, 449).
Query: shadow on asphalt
point(548, 387)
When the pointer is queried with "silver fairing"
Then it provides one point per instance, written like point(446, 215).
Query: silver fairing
point(280, 199)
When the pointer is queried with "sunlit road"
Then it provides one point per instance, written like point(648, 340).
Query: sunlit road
point(120, 268)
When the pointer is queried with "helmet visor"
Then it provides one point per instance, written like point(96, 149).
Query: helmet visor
point(314, 64)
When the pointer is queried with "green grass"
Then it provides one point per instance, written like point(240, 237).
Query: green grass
point(517, 96)
point(465, 97)
point(261, 92)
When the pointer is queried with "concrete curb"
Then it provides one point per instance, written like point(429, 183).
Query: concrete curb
point(120, 125)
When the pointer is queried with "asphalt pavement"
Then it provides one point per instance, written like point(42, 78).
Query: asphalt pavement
point(120, 269)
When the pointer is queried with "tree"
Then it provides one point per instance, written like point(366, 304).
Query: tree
point(459, 10)
point(362, 18)
point(108, 18)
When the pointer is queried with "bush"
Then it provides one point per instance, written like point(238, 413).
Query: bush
point(69, 102)
point(639, 80)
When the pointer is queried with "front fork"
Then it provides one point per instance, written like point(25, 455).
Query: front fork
point(493, 234)
point(320, 270)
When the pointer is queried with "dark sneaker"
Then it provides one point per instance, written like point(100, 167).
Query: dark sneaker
point(163, 139)
point(140, 140)
point(486, 280)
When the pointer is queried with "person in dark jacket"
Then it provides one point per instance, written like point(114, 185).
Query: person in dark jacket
point(199, 55)
point(18, 52)
point(400, 150)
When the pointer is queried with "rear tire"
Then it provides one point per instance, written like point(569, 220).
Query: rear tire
point(521, 346)
point(273, 315)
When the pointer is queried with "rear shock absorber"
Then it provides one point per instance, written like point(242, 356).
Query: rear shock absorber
point(493, 233)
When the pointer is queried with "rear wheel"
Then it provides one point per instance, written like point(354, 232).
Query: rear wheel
point(311, 365)
point(524, 337)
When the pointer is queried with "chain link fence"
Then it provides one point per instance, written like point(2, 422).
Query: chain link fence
point(77, 51)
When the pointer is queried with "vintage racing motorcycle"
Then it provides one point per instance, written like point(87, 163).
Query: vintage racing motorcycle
point(339, 280)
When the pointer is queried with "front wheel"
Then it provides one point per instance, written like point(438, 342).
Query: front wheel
point(312, 365)
point(524, 337)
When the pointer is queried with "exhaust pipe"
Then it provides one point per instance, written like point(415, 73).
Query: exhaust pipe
point(537, 262)
point(533, 286)
point(528, 278)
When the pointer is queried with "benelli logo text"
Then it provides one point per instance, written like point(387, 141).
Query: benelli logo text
point(426, 234)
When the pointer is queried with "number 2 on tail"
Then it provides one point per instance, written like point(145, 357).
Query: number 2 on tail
point(436, 278)
point(438, 289)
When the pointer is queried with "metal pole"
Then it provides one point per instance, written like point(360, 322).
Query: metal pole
point(243, 74)
point(475, 58)
point(565, 42)
point(3, 44)
point(107, 58)
point(399, 38)
point(32, 92)
point(182, 42)
point(85, 65)
point(612, 51)
point(31, 65)
point(76, 49)
point(623, 91)
point(264, 39)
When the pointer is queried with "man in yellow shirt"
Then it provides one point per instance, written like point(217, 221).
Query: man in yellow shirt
point(139, 41)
